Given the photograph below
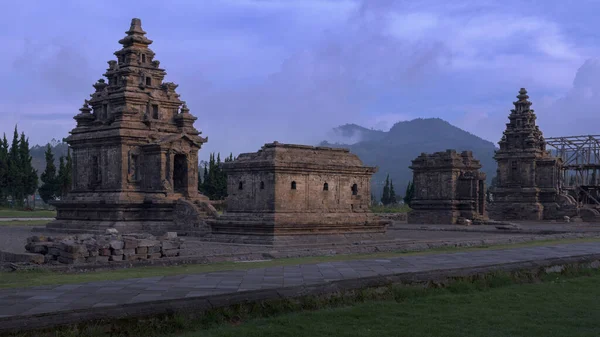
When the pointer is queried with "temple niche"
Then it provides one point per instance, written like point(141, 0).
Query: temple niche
point(528, 176)
point(449, 189)
point(286, 190)
point(135, 150)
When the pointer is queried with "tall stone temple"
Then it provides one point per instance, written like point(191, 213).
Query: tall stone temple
point(528, 176)
point(135, 150)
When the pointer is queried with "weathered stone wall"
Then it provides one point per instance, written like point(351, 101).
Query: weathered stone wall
point(88, 248)
point(307, 190)
point(448, 186)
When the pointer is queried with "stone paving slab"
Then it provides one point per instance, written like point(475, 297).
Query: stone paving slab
point(215, 287)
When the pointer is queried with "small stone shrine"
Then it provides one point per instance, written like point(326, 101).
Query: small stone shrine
point(528, 176)
point(135, 151)
point(449, 189)
point(287, 190)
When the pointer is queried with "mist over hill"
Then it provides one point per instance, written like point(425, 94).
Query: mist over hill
point(392, 151)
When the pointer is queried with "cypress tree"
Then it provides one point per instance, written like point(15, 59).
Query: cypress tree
point(392, 200)
point(219, 183)
point(48, 188)
point(15, 179)
point(410, 193)
point(3, 170)
point(28, 173)
point(204, 178)
point(60, 177)
point(385, 198)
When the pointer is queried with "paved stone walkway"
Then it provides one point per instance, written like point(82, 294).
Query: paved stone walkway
point(25, 219)
point(45, 299)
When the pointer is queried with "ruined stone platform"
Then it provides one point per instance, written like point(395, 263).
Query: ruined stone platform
point(47, 306)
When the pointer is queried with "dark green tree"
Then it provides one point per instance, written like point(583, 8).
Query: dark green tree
point(3, 170)
point(28, 173)
point(48, 189)
point(393, 199)
point(60, 177)
point(64, 176)
point(410, 193)
point(15, 176)
point(385, 197)
point(214, 179)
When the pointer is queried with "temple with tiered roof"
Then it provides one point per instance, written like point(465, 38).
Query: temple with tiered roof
point(135, 150)
point(528, 176)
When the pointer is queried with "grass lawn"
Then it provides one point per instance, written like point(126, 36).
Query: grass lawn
point(563, 307)
point(42, 277)
point(24, 223)
point(12, 213)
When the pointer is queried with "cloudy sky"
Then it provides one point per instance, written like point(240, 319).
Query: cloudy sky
point(255, 71)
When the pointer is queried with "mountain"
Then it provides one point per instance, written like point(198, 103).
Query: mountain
point(392, 151)
point(38, 159)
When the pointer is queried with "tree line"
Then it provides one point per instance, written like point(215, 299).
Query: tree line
point(389, 196)
point(56, 184)
point(18, 178)
point(212, 182)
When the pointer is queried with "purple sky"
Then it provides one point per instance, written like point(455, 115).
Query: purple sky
point(258, 71)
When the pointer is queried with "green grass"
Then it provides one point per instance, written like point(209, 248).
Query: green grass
point(12, 213)
point(24, 223)
point(30, 278)
point(564, 307)
point(390, 209)
point(518, 304)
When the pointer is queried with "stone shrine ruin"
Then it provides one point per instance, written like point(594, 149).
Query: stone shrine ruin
point(528, 176)
point(135, 151)
point(287, 190)
point(449, 189)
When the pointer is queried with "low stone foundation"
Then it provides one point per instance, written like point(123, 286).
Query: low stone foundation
point(90, 248)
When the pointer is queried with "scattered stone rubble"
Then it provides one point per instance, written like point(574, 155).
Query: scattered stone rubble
point(110, 247)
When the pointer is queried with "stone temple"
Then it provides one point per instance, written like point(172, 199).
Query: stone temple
point(449, 188)
point(286, 190)
point(528, 176)
point(135, 151)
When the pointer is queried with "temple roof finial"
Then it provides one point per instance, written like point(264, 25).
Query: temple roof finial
point(136, 27)
point(522, 95)
point(135, 34)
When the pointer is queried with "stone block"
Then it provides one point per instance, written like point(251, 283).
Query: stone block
point(130, 243)
point(147, 243)
point(49, 258)
point(129, 251)
point(166, 245)
point(53, 251)
point(170, 252)
point(72, 256)
point(111, 231)
point(37, 247)
point(116, 244)
point(104, 252)
point(67, 260)
point(169, 236)
point(116, 258)
point(154, 256)
point(75, 248)
point(141, 250)
point(116, 251)
point(94, 252)
point(153, 249)
point(97, 259)
point(136, 257)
